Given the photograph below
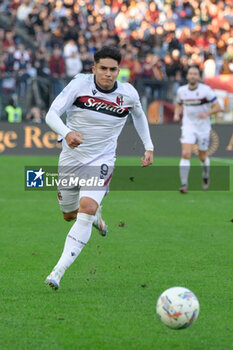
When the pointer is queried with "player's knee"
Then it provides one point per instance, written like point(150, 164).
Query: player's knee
point(70, 216)
point(186, 155)
point(202, 157)
point(88, 206)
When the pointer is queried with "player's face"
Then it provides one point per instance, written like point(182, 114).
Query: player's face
point(106, 72)
point(193, 76)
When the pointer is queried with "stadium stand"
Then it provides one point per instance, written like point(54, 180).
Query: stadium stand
point(42, 41)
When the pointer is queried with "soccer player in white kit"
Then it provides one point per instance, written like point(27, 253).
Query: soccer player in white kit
point(196, 101)
point(96, 107)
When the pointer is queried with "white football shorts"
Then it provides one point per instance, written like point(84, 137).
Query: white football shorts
point(96, 174)
point(191, 135)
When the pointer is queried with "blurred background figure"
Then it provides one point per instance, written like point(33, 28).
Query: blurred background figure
point(13, 112)
point(57, 70)
point(45, 43)
point(72, 59)
point(35, 115)
point(209, 67)
point(87, 62)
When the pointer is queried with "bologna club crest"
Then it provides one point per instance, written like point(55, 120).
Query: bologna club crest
point(119, 100)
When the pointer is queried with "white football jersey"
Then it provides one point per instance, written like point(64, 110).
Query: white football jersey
point(195, 102)
point(97, 114)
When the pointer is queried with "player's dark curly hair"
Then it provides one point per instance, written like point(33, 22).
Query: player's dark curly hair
point(108, 52)
point(196, 67)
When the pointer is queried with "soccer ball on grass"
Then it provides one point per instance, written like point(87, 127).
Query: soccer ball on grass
point(177, 307)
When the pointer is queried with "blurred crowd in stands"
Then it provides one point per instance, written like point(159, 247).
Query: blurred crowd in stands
point(158, 39)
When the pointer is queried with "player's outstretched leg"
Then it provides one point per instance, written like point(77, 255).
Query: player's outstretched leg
point(184, 172)
point(205, 183)
point(53, 280)
point(76, 239)
point(183, 189)
point(185, 166)
point(206, 174)
point(99, 223)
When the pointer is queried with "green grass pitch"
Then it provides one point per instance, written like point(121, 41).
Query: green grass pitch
point(107, 298)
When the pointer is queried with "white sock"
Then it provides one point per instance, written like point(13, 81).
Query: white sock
point(76, 239)
point(95, 222)
point(206, 168)
point(184, 171)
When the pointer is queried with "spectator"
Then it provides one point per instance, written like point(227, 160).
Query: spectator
point(57, 64)
point(121, 20)
point(196, 60)
point(173, 66)
point(69, 48)
point(176, 65)
point(9, 40)
point(14, 113)
point(33, 19)
point(184, 67)
point(133, 66)
point(204, 16)
point(226, 68)
point(152, 14)
point(87, 62)
point(35, 115)
point(173, 42)
point(41, 63)
point(2, 34)
point(72, 59)
point(21, 70)
point(23, 10)
point(152, 67)
point(73, 65)
point(168, 66)
point(159, 69)
point(209, 67)
point(2, 66)
point(10, 60)
point(20, 53)
point(57, 70)
point(186, 36)
point(186, 13)
point(13, 7)
point(60, 10)
point(228, 14)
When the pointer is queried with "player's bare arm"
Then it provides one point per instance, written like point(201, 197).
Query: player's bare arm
point(74, 139)
point(215, 108)
point(178, 112)
point(147, 159)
